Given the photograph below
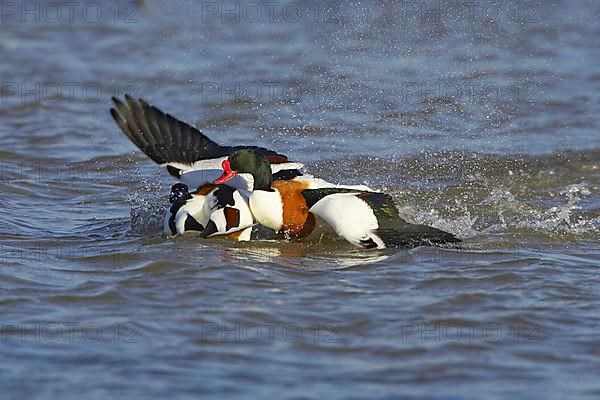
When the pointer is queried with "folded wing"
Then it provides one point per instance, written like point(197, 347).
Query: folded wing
point(370, 219)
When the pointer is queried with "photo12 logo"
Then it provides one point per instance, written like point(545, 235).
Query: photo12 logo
point(462, 332)
point(268, 332)
point(257, 92)
point(54, 92)
point(68, 332)
point(42, 253)
point(414, 92)
point(69, 12)
point(468, 11)
point(269, 12)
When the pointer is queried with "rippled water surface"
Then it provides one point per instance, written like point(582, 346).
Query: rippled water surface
point(483, 121)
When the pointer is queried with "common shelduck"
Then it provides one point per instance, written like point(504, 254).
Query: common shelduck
point(185, 214)
point(188, 212)
point(196, 160)
point(366, 219)
point(212, 210)
point(187, 153)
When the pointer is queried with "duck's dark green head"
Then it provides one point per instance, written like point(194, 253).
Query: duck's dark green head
point(247, 162)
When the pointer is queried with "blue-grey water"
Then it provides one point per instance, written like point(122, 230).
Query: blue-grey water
point(480, 118)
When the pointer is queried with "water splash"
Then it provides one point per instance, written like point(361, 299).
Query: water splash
point(462, 226)
point(561, 219)
point(556, 220)
point(148, 206)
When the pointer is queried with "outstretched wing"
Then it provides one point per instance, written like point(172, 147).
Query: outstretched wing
point(161, 136)
point(186, 152)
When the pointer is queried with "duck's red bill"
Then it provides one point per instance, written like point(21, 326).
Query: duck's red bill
point(228, 173)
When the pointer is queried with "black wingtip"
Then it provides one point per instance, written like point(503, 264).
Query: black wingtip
point(117, 117)
point(161, 136)
point(117, 102)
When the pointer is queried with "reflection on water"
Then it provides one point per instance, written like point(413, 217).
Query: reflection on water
point(483, 122)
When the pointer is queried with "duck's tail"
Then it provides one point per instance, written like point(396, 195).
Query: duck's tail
point(414, 235)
